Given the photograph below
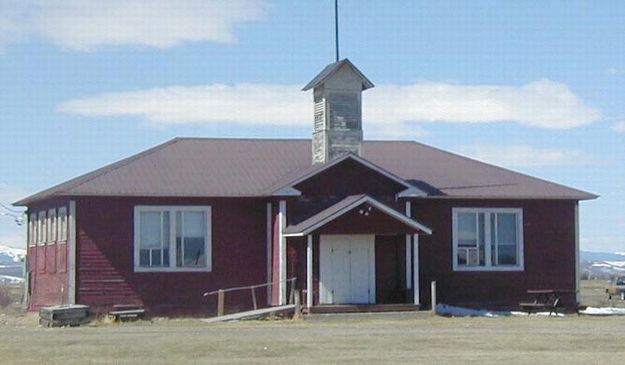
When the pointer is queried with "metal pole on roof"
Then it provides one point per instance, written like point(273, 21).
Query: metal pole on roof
point(336, 28)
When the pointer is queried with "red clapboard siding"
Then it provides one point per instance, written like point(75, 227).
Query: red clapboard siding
point(105, 257)
point(549, 250)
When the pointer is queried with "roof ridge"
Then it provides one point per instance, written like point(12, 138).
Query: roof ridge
point(240, 139)
point(505, 169)
point(85, 178)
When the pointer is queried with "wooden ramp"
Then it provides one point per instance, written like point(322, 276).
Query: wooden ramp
point(258, 313)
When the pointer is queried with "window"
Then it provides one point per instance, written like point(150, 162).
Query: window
point(41, 228)
point(32, 230)
point(172, 238)
point(62, 224)
point(487, 239)
point(52, 225)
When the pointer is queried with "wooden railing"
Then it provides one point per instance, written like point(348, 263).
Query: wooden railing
point(221, 293)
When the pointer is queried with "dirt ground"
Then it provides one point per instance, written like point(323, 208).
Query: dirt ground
point(407, 338)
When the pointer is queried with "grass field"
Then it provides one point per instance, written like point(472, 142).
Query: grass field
point(407, 338)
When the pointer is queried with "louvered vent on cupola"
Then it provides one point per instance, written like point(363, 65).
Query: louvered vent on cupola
point(337, 92)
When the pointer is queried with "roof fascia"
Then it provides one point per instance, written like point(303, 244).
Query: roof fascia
point(358, 159)
point(365, 199)
point(287, 191)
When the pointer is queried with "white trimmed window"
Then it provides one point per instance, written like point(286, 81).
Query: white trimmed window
point(487, 239)
point(32, 230)
point(62, 219)
point(41, 228)
point(172, 238)
point(52, 225)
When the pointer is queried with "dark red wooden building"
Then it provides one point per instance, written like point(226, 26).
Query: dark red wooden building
point(355, 222)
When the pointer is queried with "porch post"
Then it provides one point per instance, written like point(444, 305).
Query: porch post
point(415, 269)
point(71, 247)
point(309, 272)
point(282, 253)
point(269, 252)
point(577, 273)
point(408, 251)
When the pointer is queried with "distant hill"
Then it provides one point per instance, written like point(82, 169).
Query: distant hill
point(602, 265)
point(11, 265)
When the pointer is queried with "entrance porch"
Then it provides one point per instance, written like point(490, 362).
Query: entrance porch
point(357, 255)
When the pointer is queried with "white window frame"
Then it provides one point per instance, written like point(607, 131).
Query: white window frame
point(488, 265)
point(42, 228)
point(32, 230)
point(62, 227)
point(52, 224)
point(172, 209)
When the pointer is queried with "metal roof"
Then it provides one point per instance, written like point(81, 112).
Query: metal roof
point(330, 69)
point(204, 167)
point(349, 203)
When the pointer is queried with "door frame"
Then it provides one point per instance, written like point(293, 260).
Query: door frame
point(325, 288)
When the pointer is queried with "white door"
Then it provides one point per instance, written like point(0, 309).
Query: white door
point(347, 269)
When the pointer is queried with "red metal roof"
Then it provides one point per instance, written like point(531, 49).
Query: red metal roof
point(205, 167)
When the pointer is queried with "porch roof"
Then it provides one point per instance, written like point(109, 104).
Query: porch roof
point(344, 206)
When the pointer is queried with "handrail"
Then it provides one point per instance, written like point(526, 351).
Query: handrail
point(248, 287)
point(221, 293)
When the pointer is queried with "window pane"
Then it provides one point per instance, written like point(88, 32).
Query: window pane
point(166, 257)
point(481, 239)
point(178, 251)
point(156, 257)
point(462, 256)
point(194, 223)
point(150, 230)
point(493, 238)
point(507, 255)
point(506, 228)
point(194, 252)
point(144, 258)
point(190, 239)
point(506, 239)
point(467, 229)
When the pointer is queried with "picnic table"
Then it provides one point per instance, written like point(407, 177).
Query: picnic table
point(545, 299)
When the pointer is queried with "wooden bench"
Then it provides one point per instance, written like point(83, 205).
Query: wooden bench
point(127, 311)
point(544, 299)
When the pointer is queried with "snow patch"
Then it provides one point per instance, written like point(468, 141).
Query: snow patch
point(10, 280)
point(452, 311)
point(594, 311)
point(15, 254)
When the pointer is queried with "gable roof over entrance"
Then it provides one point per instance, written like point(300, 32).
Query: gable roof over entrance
point(346, 205)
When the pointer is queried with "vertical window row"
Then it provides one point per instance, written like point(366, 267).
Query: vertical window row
point(48, 227)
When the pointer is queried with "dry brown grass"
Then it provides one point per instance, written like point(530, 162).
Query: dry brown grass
point(415, 338)
point(424, 339)
point(593, 294)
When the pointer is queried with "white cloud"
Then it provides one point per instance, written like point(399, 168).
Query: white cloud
point(527, 156)
point(10, 233)
point(619, 127)
point(388, 110)
point(542, 103)
point(87, 24)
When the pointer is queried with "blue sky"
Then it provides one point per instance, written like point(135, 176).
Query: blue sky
point(538, 87)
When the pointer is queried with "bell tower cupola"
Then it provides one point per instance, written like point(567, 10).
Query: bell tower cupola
point(337, 93)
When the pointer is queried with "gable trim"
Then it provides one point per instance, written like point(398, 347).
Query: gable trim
point(358, 159)
point(364, 199)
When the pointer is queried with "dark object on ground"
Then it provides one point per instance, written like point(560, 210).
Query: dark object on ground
point(64, 315)
point(123, 312)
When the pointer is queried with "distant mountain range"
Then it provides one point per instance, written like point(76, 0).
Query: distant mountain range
point(11, 265)
point(602, 265)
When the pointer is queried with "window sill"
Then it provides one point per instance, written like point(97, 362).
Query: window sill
point(171, 269)
point(489, 269)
